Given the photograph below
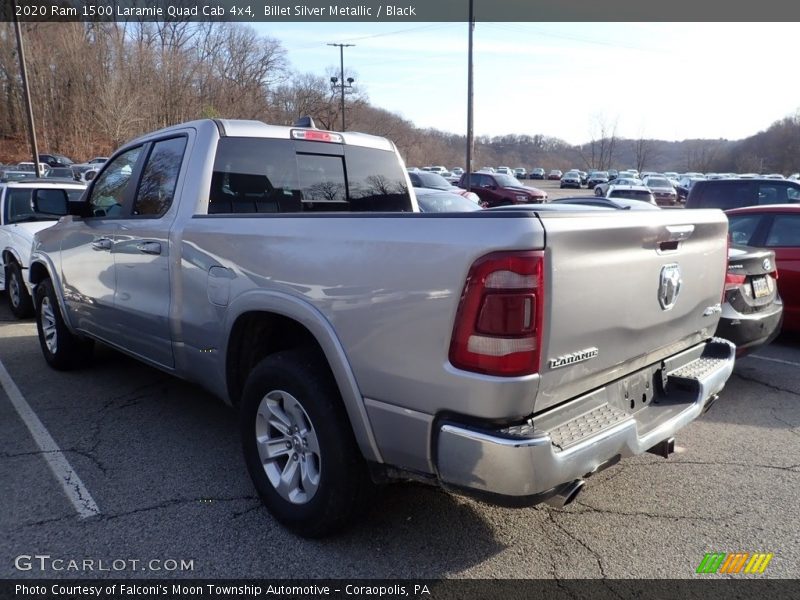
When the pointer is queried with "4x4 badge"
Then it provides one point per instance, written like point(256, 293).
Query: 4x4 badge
point(669, 285)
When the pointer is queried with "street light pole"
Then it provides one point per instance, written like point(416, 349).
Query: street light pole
point(470, 137)
point(26, 91)
point(341, 75)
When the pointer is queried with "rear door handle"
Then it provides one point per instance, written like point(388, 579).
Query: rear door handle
point(102, 244)
point(149, 248)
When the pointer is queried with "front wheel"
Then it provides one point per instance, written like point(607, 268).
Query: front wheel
point(298, 445)
point(62, 349)
point(19, 300)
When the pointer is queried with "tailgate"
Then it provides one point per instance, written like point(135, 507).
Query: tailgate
point(626, 289)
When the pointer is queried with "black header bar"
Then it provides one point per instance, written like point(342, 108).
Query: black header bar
point(251, 11)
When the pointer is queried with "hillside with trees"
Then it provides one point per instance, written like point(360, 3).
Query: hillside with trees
point(96, 85)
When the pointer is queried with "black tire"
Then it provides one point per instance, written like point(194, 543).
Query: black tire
point(63, 350)
point(343, 486)
point(19, 300)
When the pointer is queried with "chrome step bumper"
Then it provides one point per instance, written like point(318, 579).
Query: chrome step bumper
point(525, 463)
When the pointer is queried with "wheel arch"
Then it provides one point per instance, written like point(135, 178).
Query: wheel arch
point(42, 268)
point(262, 323)
point(11, 254)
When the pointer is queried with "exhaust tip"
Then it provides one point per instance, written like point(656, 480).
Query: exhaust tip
point(566, 494)
point(709, 403)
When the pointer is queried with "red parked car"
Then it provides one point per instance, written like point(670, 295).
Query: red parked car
point(777, 227)
point(498, 189)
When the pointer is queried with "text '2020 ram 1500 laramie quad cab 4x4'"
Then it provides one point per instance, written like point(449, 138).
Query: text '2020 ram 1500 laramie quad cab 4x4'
point(288, 270)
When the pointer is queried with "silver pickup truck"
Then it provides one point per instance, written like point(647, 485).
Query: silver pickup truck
point(503, 354)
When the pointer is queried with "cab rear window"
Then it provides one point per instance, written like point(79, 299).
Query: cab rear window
point(254, 175)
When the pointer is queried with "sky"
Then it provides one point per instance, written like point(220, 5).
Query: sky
point(669, 81)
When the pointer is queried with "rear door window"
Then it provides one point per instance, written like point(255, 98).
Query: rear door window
point(785, 232)
point(159, 178)
point(742, 228)
point(726, 195)
point(777, 193)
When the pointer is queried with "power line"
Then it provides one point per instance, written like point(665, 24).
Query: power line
point(574, 38)
point(375, 35)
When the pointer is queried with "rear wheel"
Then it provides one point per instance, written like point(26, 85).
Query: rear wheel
point(19, 300)
point(62, 349)
point(298, 445)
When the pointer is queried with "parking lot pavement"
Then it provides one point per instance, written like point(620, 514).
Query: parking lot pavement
point(161, 458)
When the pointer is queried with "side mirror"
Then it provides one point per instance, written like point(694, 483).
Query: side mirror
point(50, 202)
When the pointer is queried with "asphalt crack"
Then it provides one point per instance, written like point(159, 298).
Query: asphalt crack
point(137, 393)
point(253, 508)
point(174, 502)
point(715, 463)
point(596, 555)
point(771, 386)
point(792, 427)
point(48, 521)
point(588, 509)
point(94, 460)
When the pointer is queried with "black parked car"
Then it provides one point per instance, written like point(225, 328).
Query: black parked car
point(735, 193)
point(752, 310)
point(596, 178)
point(571, 179)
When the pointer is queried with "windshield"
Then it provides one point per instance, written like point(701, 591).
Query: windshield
point(507, 180)
point(600, 175)
point(632, 194)
point(442, 202)
point(433, 180)
point(658, 182)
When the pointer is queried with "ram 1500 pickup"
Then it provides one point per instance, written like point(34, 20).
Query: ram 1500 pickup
point(505, 354)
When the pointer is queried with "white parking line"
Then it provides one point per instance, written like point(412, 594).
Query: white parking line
point(64, 473)
point(776, 360)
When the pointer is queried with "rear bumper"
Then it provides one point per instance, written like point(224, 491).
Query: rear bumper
point(527, 464)
point(749, 331)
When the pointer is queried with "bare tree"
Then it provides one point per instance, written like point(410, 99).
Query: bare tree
point(642, 152)
point(599, 153)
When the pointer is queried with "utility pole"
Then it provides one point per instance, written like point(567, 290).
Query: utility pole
point(470, 137)
point(342, 85)
point(26, 90)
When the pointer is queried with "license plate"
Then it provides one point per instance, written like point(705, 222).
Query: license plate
point(760, 288)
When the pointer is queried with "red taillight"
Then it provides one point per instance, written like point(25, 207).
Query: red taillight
point(498, 328)
point(734, 280)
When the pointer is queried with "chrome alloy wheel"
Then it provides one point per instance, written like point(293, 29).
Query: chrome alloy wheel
point(13, 289)
point(48, 318)
point(288, 447)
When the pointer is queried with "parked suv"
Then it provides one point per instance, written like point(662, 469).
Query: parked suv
point(497, 189)
point(56, 160)
point(735, 193)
